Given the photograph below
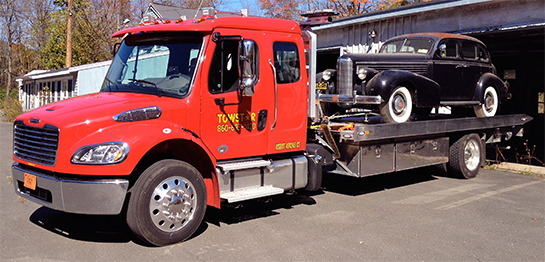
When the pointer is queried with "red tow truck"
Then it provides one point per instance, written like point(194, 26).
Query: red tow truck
point(200, 112)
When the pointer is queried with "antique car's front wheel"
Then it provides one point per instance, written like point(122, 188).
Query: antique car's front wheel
point(399, 106)
point(490, 105)
point(167, 203)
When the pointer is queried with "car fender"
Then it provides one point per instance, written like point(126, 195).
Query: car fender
point(489, 79)
point(426, 90)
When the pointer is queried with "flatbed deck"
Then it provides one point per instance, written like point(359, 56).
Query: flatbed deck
point(435, 126)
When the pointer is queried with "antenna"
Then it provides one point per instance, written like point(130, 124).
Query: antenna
point(196, 13)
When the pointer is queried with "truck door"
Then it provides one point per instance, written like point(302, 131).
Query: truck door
point(289, 119)
point(233, 125)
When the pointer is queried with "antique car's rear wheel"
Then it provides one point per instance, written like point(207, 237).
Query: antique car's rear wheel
point(399, 106)
point(167, 203)
point(489, 107)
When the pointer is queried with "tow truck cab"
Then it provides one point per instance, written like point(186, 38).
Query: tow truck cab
point(198, 92)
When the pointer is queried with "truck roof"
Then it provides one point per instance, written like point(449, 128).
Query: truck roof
point(208, 25)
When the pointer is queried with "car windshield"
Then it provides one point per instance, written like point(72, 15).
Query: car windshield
point(419, 46)
point(158, 63)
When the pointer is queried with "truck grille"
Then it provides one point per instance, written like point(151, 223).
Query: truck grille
point(421, 69)
point(36, 144)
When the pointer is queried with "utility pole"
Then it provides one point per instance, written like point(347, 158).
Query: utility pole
point(69, 36)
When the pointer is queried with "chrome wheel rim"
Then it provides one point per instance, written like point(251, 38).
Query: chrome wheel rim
point(471, 155)
point(173, 204)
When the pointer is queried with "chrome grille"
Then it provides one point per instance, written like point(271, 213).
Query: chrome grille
point(36, 144)
point(421, 69)
point(345, 69)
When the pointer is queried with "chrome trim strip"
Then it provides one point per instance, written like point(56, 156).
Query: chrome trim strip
point(358, 99)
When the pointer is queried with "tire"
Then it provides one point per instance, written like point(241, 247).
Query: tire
point(399, 106)
point(466, 156)
point(490, 105)
point(167, 203)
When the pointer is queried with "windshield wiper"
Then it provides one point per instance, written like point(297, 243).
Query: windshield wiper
point(149, 83)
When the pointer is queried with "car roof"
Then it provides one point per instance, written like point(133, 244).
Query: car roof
point(437, 36)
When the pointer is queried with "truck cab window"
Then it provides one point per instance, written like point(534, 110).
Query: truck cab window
point(224, 73)
point(161, 64)
point(286, 62)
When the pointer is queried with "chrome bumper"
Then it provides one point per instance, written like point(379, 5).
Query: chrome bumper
point(99, 196)
point(357, 99)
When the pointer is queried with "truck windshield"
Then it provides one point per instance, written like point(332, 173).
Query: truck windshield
point(156, 63)
point(419, 46)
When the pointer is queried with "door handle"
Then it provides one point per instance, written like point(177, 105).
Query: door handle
point(462, 66)
point(275, 94)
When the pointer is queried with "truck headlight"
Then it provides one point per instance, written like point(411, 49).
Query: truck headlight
point(362, 72)
point(101, 154)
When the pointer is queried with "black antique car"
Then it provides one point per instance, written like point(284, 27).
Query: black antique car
point(411, 74)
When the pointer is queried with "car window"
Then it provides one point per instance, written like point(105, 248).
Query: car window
point(422, 46)
point(449, 49)
point(469, 50)
point(483, 54)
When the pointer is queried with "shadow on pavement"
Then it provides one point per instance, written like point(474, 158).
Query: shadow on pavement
point(359, 186)
point(113, 229)
point(83, 227)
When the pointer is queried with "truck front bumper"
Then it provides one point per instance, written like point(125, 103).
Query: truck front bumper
point(82, 196)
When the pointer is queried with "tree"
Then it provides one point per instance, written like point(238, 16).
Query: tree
point(286, 9)
point(10, 15)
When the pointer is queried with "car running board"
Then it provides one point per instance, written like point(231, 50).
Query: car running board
point(460, 103)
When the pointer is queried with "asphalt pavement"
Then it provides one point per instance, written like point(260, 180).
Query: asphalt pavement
point(405, 216)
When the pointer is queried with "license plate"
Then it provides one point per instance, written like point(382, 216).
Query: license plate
point(30, 181)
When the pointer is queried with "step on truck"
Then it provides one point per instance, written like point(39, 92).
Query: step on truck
point(196, 113)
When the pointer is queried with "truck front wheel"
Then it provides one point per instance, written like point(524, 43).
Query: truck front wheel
point(466, 156)
point(167, 203)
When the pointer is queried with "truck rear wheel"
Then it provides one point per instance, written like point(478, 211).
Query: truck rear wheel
point(466, 156)
point(167, 203)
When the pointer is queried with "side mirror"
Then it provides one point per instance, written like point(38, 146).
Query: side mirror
point(442, 50)
point(248, 59)
point(115, 48)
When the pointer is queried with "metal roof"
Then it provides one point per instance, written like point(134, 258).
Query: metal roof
point(397, 12)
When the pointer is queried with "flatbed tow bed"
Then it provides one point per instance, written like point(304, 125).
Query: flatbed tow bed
point(371, 148)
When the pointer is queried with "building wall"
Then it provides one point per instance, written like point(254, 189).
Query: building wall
point(458, 16)
point(90, 81)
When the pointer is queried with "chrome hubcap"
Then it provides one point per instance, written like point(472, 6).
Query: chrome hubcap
point(471, 155)
point(172, 204)
point(399, 104)
point(489, 102)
